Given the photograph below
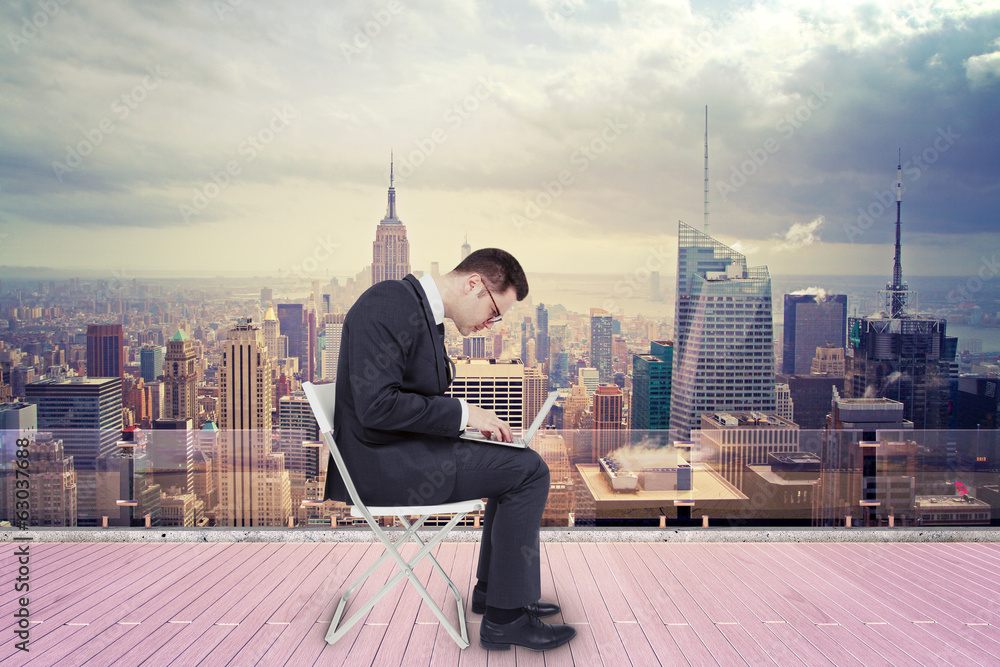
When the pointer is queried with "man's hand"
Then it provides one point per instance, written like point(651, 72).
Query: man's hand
point(488, 423)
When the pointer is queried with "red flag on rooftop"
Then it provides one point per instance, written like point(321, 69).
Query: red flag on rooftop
point(961, 489)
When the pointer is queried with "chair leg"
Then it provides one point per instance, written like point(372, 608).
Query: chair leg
point(460, 636)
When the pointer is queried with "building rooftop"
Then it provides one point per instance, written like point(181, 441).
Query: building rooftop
point(706, 487)
point(927, 502)
point(747, 419)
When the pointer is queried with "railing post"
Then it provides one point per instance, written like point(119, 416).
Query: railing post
point(892, 520)
point(333, 521)
point(847, 521)
point(663, 521)
point(704, 521)
point(476, 518)
point(104, 521)
point(149, 521)
point(571, 520)
point(291, 521)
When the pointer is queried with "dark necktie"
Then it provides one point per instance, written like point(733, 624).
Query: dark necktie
point(451, 364)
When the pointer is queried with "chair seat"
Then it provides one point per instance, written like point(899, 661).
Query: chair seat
point(460, 507)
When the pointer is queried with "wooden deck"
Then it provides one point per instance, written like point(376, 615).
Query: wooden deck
point(639, 604)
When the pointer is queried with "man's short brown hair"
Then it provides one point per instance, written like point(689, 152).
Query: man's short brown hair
point(498, 268)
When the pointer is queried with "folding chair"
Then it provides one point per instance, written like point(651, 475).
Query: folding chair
point(321, 400)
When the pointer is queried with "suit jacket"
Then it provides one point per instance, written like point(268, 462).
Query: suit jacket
point(392, 423)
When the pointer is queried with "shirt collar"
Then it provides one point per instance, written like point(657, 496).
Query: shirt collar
point(433, 297)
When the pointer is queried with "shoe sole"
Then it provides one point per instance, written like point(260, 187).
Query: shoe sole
point(489, 646)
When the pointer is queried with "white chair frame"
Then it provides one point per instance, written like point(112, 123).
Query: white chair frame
point(321, 400)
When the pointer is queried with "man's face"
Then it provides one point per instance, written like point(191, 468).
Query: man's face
point(477, 307)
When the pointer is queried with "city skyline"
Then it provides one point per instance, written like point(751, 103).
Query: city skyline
point(536, 126)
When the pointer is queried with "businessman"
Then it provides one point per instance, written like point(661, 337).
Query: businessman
point(399, 434)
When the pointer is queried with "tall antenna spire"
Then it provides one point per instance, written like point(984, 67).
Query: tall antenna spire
point(897, 290)
point(391, 213)
point(706, 169)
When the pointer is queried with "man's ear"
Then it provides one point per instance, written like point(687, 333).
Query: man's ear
point(470, 281)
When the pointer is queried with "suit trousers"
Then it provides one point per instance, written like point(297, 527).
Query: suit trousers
point(515, 483)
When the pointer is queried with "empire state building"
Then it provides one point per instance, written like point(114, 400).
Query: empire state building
point(391, 250)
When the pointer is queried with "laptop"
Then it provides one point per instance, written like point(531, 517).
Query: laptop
point(522, 441)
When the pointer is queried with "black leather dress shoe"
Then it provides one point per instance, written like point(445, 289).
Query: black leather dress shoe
point(527, 630)
point(541, 609)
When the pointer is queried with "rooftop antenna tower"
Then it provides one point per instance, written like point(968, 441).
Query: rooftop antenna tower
point(897, 295)
point(706, 170)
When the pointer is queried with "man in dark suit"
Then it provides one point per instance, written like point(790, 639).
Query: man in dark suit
point(398, 433)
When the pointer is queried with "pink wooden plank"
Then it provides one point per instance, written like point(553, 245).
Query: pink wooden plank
point(549, 592)
point(54, 580)
point(708, 554)
point(99, 610)
point(800, 614)
point(233, 608)
point(857, 617)
point(253, 650)
point(256, 621)
point(565, 582)
point(297, 644)
point(155, 614)
point(666, 650)
point(685, 638)
point(753, 639)
point(974, 642)
point(205, 651)
point(609, 642)
point(868, 646)
point(168, 621)
point(894, 622)
point(584, 646)
point(618, 608)
point(695, 577)
point(660, 562)
point(324, 584)
point(420, 647)
point(948, 580)
point(500, 658)
point(139, 590)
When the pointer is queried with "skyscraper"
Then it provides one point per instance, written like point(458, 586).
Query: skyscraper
point(608, 404)
point(601, 350)
point(272, 329)
point(466, 248)
point(294, 325)
point(254, 488)
point(724, 352)
point(536, 387)
point(493, 384)
point(901, 355)
point(542, 336)
point(105, 351)
point(180, 379)
point(86, 414)
point(151, 362)
point(811, 321)
point(391, 250)
point(331, 354)
point(651, 386)
point(527, 333)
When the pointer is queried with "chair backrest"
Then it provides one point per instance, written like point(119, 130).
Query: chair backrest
point(321, 400)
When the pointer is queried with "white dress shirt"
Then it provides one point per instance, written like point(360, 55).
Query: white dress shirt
point(437, 309)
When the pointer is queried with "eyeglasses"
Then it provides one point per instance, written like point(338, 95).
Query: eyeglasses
point(498, 317)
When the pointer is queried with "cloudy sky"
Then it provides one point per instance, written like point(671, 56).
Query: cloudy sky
point(252, 136)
